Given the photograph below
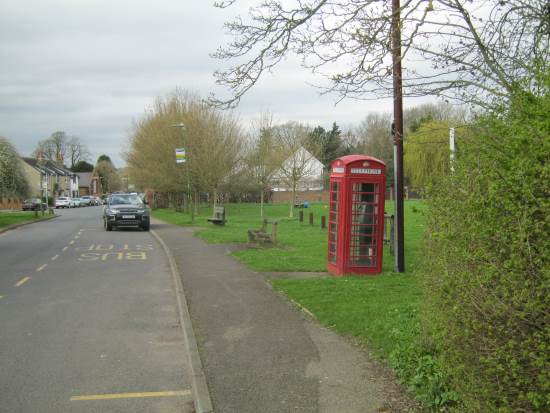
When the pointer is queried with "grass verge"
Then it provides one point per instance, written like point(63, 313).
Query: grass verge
point(12, 218)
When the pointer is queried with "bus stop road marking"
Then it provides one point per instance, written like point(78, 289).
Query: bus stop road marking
point(64, 248)
point(71, 242)
point(41, 267)
point(56, 256)
point(22, 281)
point(140, 395)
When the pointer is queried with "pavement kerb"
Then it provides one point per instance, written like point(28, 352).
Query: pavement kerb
point(201, 394)
point(22, 224)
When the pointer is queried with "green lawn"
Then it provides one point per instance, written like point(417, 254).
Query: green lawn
point(375, 309)
point(10, 218)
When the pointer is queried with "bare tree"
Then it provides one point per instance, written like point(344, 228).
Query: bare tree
point(472, 50)
point(263, 158)
point(76, 151)
point(59, 147)
point(299, 163)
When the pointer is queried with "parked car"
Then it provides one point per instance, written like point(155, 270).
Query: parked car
point(86, 200)
point(63, 202)
point(125, 210)
point(34, 204)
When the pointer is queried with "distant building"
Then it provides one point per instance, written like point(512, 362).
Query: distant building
point(51, 177)
point(88, 183)
point(303, 164)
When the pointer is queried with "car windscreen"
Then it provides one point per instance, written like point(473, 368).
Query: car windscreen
point(125, 200)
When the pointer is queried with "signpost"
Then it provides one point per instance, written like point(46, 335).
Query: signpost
point(180, 155)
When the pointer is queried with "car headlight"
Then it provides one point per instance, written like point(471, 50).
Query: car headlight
point(110, 211)
point(142, 211)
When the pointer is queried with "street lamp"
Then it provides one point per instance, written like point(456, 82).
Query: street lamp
point(181, 125)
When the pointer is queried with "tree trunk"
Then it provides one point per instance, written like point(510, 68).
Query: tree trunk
point(215, 196)
point(293, 199)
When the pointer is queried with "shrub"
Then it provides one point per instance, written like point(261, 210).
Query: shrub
point(486, 268)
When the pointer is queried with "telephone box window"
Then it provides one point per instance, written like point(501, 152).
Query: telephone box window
point(333, 221)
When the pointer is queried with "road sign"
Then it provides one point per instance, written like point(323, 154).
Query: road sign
point(180, 155)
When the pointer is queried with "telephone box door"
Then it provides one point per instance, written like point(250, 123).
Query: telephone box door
point(365, 250)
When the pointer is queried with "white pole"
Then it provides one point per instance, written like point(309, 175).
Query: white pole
point(452, 147)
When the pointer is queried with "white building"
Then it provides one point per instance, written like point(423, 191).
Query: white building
point(302, 167)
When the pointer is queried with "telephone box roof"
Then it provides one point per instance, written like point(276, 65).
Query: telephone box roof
point(348, 159)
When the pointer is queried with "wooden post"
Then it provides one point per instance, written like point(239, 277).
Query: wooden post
point(311, 218)
point(323, 222)
point(264, 225)
point(301, 215)
point(274, 232)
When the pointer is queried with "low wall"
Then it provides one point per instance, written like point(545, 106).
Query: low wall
point(301, 196)
point(10, 203)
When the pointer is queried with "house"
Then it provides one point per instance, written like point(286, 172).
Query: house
point(88, 183)
point(303, 170)
point(47, 176)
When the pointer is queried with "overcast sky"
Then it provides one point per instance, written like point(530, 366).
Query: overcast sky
point(92, 67)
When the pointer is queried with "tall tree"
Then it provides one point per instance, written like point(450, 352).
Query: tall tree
point(212, 141)
point(427, 153)
point(60, 148)
point(264, 159)
point(13, 182)
point(471, 50)
point(82, 166)
point(108, 175)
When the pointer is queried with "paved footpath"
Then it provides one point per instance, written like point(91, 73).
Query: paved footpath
point(260, 353)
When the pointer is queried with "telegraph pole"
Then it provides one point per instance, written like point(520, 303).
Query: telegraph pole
point(398, 136)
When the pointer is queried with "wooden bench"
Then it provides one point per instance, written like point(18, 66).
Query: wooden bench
point(261, 236)
point(218, 217)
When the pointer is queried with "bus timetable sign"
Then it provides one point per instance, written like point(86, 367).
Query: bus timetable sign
point(180, 155)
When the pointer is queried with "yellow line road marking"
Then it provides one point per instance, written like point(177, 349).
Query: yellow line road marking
point(1, 296)
point(175, 393)
point(76, 237)
point(41, 267)
point(22, 281)
point(65, 248)
point(56, 256)
point(71, 242)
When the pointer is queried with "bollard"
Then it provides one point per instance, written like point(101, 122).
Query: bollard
point(301, 216)
point(311, 218)
point(323, 222)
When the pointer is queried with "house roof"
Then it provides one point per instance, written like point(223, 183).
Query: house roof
point(84, 179)
point(48, 167)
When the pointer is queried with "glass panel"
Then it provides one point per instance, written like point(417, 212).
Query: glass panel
point(364, 219)
point(333, 221)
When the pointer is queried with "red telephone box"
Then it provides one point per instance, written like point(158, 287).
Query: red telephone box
point(356, 215)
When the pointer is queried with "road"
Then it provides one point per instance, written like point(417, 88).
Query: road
point(88, 320)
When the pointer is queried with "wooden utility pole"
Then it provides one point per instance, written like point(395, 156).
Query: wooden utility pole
point(398, 135)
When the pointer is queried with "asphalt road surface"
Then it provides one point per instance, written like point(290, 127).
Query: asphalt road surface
point(88, 320)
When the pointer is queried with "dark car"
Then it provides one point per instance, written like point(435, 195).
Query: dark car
point(125, 210)
point(34, 204)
